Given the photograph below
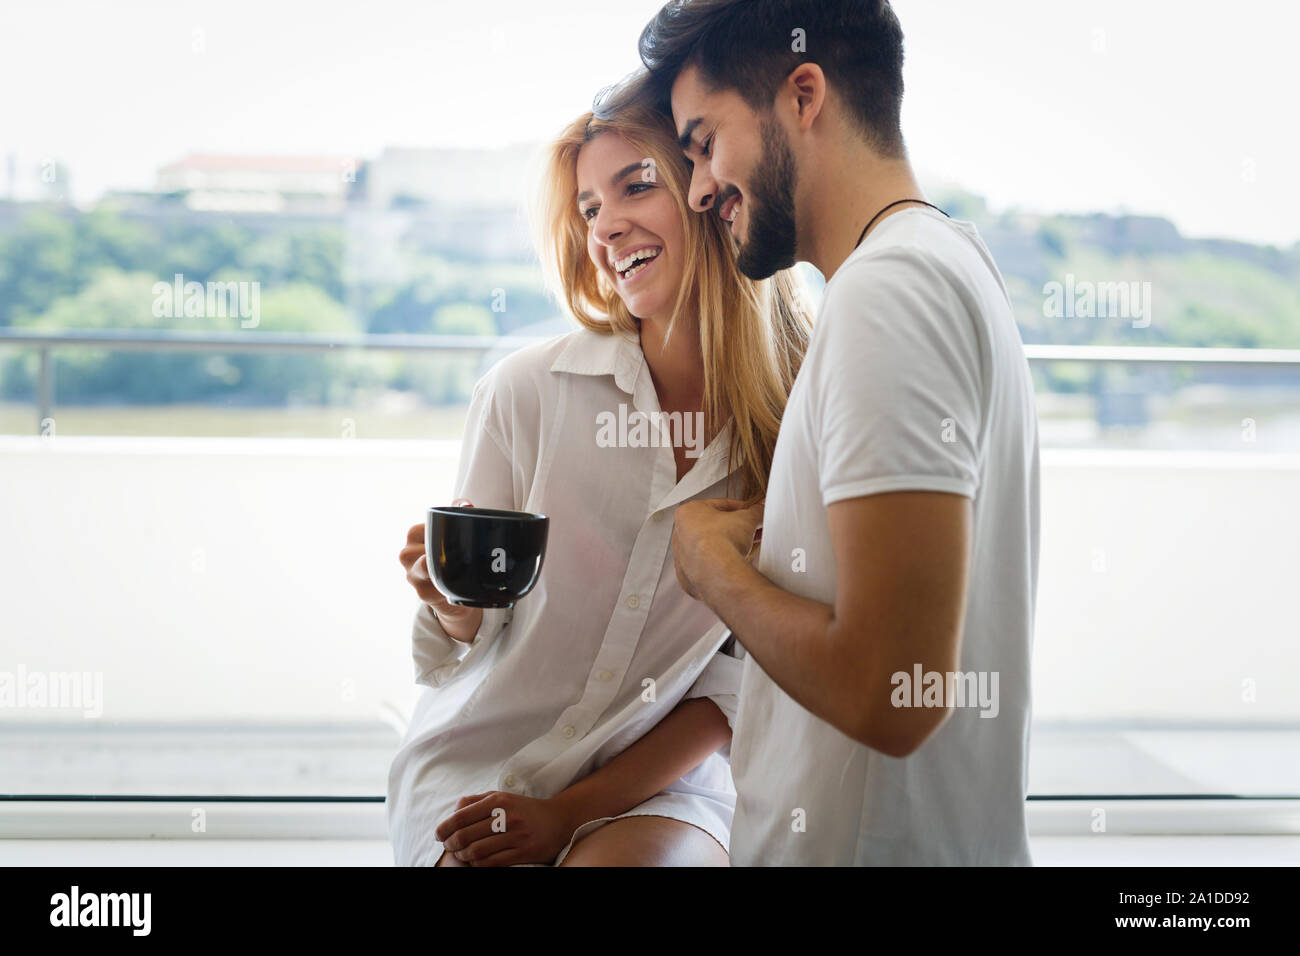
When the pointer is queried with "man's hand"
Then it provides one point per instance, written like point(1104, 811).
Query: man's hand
point(502, 829)
point(708, 532)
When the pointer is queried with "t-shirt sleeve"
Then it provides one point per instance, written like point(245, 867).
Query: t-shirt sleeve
point(898, 381)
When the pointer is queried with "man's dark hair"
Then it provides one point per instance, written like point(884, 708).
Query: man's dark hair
point(751, 46)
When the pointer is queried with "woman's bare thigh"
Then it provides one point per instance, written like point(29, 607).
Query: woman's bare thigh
point(647, 841)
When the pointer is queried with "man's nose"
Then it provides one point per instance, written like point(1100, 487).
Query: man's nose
point(703, 188)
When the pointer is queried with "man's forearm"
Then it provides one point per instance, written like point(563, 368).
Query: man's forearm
point(830, 669)
point(676, 745)
point(793, 638)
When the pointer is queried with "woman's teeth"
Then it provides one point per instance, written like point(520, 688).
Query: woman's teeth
point(630, 265)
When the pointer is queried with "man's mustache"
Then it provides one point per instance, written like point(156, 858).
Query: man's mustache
point(722, 199)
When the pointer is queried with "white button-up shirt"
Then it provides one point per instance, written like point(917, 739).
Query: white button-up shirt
point(607, 643)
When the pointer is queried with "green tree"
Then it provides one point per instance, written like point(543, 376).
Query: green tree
point(276, 377)
point(38, 263)
point(313, 256)
point(111, 300)
point(463, 318)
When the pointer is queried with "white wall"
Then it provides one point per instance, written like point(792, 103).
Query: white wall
point(257, 579)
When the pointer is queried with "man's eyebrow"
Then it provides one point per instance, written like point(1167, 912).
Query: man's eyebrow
point(684, 141)
point(615, 179)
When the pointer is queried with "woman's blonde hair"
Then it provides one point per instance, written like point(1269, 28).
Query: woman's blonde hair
point(753, 335)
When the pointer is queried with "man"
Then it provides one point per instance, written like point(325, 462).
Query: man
point(885, 706)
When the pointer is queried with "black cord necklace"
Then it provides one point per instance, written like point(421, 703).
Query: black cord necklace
point(898, 202)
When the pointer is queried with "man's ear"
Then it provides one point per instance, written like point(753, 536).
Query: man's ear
point(805, 90)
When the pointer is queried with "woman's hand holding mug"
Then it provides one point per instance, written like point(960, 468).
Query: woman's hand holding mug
point(460, 623)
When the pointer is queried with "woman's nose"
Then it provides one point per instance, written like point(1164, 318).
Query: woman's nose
point(610, 227)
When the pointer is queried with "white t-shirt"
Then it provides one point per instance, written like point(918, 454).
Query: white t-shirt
point(915, 379)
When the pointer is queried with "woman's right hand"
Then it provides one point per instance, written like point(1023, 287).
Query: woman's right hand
point(460, 623)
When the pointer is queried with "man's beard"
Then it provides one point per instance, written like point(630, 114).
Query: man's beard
point(770, 237)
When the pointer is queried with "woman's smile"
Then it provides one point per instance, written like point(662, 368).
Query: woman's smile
point(630, 267)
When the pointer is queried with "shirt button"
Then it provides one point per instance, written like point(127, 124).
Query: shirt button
point(603, 675)
point(634, 601)
point(568, 731)
point(510, 780)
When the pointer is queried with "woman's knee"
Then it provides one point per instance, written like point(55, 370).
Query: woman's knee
point(448, 860)
point(647, 841)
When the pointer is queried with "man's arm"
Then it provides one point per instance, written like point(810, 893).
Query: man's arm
point(902, 562)
point(676, 745)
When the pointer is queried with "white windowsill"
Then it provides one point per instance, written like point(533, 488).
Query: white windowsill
point(116, 833)
point(179, 819)
point(1047, 851)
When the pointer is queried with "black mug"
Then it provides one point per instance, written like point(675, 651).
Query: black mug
point(484, 557)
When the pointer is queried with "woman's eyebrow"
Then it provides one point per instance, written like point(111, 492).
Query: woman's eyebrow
point(615, 179)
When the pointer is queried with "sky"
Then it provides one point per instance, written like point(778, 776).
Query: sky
point(1183, 110)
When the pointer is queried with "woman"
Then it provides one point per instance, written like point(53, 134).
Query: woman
point(589, 725)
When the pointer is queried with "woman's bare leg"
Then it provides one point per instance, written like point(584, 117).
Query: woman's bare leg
point(647, 841)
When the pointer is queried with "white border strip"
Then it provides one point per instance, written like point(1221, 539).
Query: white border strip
point(434, 448)
point(1167, 458)
point(109, 819)
point(1163, 817)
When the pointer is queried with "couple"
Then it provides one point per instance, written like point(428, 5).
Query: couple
point(888, 454)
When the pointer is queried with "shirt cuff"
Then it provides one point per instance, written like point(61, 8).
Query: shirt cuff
point(438, 656)
point(720, 683)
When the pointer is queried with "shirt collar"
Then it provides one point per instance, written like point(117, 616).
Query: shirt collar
point(591, 353)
